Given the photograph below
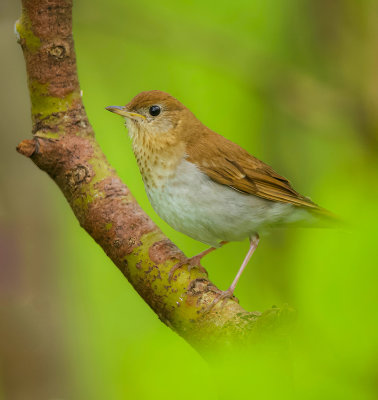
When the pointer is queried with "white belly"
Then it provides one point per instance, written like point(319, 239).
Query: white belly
point(209, 212)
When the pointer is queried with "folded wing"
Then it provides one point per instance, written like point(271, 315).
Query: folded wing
point(228, 164)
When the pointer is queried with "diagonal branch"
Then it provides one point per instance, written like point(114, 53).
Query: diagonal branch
point(64, 146)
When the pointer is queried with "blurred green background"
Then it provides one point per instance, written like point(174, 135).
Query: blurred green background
point(294, 82)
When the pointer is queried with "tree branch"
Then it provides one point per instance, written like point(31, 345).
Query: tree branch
point(64, 146)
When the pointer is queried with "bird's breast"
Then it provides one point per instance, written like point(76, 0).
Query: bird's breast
point(180, 200)
point(158, 164)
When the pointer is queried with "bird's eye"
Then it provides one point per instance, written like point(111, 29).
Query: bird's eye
point(154, 110)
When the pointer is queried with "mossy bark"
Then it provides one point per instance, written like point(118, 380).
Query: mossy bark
point(64, 146)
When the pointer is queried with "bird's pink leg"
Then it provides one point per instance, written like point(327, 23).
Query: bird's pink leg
point(194, 261)
point(227, 294)
point(253, 246)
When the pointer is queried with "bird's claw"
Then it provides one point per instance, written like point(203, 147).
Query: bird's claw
point(193, 262)
point(223, 295)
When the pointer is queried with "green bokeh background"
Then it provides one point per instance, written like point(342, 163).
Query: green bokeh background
point(294, 82)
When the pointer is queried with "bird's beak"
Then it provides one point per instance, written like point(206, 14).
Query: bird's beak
point(124, 113)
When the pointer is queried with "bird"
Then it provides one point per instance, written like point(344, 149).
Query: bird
point(205, 185)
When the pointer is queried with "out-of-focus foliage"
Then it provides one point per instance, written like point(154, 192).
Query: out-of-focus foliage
point(295, 83)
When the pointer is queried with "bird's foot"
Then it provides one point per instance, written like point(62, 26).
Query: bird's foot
point(192, 262)
point(222, 295)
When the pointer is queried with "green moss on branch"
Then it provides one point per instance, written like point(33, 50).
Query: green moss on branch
point(26, 36)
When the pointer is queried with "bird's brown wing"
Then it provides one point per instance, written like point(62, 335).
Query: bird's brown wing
point(228, 164)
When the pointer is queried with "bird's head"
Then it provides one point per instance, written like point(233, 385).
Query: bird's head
point(152, 113)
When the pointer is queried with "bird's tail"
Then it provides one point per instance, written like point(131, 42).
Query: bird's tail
point(326, 219)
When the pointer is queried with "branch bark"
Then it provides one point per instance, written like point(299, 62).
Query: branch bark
point(64, 146)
